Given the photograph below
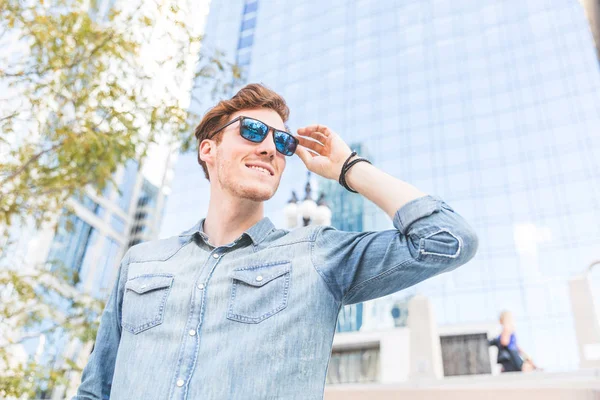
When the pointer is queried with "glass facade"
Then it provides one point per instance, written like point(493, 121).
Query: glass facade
point(117, 223)
point(90, 247)
point(70, 243)
point(127, 185)
point(90, 204)
point(145, 214)
point(86, 270)
point(490, 105)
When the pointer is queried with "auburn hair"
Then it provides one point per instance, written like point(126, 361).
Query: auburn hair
point(251, 96)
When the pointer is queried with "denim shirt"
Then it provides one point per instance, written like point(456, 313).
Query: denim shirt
point(255, 319)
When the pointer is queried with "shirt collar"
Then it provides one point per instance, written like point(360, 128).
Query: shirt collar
point(257, 233)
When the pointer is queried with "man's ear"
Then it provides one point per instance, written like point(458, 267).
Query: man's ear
point(206, 151)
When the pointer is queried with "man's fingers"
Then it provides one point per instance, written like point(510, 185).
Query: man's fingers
point(311, 144)
point(304, 154)
point(321, 137)
point(318, 128)
point(319, 132)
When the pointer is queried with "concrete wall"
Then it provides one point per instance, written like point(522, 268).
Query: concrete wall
point(394, 349)
point(585, 317)
point(578, 385)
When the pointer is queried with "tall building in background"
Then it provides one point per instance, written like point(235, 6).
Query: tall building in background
point(91, 241)
point(146, 220)
point(493, 106)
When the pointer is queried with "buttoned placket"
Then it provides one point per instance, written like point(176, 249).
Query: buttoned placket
point(188, 352)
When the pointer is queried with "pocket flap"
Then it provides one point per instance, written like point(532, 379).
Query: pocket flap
point(145, 283)
point(261, 275)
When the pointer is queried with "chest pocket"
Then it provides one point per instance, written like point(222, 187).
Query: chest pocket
point(144, 301)
point(259, 292)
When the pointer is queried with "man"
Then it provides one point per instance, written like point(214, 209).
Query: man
point(236, 309)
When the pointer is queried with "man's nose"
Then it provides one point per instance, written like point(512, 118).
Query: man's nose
point(267, 146)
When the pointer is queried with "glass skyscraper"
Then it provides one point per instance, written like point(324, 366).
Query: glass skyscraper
point(90, 239)
point(493, 106)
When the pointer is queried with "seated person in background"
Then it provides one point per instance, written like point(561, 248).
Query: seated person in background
point(510, 355)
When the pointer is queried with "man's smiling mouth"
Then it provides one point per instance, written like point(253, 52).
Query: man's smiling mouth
point(260, 169)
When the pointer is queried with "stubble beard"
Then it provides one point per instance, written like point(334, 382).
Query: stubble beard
point(238, 189)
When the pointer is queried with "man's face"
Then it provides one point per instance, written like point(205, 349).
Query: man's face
point(245, 169)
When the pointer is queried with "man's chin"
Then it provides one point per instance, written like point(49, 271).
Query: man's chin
point(256, 194)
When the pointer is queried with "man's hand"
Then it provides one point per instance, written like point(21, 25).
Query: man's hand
point(322, 150)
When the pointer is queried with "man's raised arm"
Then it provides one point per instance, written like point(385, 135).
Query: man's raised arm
point(429, 236)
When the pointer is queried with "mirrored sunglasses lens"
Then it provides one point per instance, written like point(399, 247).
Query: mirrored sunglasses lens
point(253, 130)
point(285, 143)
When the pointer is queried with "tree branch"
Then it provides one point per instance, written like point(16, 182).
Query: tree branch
point(29, 162)
point(9, 116)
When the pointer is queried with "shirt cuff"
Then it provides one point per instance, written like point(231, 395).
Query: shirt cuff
point(415, 210)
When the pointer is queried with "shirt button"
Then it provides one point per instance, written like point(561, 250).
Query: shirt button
point(259, 278)
point(201, 286)
point(192, 332)
point(215, 255)
point(180, 382)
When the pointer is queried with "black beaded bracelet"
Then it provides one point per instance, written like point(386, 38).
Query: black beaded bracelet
point(350, 165)
point(345, 170)
point(340, 180)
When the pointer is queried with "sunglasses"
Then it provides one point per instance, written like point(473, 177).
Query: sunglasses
point(256, 131)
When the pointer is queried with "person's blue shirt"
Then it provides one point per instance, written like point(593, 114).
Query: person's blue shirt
point(512, 344)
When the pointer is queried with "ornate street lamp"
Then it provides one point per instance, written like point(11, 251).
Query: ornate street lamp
point(315, 213)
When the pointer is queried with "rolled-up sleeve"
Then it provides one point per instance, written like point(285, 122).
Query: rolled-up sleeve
point(430, 238)
point(96, 380)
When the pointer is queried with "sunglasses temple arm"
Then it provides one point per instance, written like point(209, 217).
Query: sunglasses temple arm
point(225, 126)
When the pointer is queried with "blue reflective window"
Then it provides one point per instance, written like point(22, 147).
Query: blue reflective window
point(89, 257)
point(100, 211)
point(107, 190)
point(350, 318)
point(248, 24)
point(127, 184)
point(246, 41)
point(250, 7)
point(117, 223)
point(70, 244)
point(90, 204)
point(148, 196)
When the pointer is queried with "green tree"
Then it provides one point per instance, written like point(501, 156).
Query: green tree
point(82, 91)
point(85, 96)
